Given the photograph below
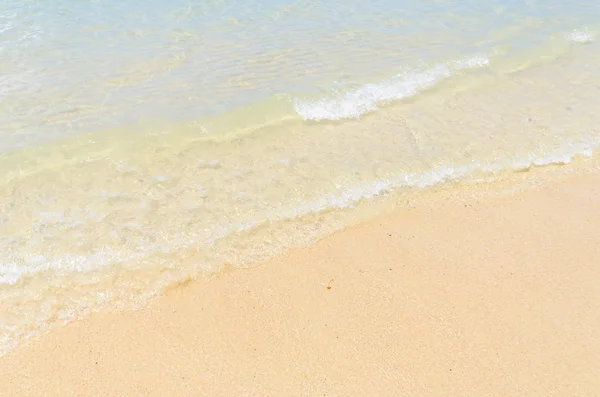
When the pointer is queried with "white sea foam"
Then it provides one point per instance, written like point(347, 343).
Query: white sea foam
point(369, 97)
point(14, 269)
point(351, 196)
point(582, 36)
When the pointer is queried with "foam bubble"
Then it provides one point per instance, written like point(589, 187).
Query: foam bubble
point(369, 97)
point(582, 36)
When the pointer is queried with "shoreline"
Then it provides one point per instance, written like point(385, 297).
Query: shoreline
point(476, 290)
point(165, 207)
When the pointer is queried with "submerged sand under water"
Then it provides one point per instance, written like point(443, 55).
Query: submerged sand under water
point(112, 219)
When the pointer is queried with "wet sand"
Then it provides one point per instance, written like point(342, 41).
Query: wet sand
point(466, 292)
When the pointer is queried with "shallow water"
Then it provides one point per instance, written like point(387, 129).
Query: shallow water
point(145, 143)
point(80, 66)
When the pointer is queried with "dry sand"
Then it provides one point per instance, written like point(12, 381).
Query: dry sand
point(481, 295)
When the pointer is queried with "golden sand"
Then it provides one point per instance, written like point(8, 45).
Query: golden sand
point(474, 295)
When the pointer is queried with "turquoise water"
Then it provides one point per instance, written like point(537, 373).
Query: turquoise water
point(80, 66)
point(146, 143)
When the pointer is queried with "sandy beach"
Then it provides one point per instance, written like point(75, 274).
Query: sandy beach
point(299, 198)
point(467, 292)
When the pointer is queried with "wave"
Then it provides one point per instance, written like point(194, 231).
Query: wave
point(370, 97)
point(350, 197)
point(16, 269)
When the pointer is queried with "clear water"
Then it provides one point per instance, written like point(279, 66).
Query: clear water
point(80, 66)
point(143, 143)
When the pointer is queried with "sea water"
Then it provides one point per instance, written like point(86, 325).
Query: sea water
point(143, 143)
